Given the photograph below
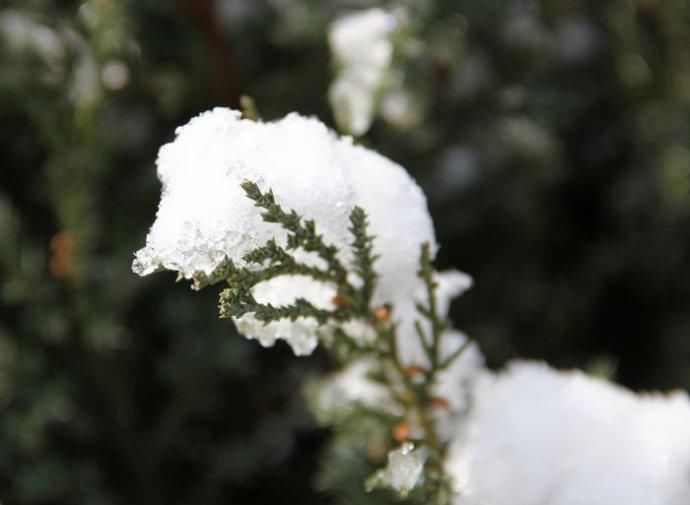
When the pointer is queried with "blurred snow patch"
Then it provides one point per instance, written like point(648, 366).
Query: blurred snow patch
point(361, 47)
point(536, 435)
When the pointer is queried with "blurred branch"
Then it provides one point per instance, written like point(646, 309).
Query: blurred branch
point(204, 13)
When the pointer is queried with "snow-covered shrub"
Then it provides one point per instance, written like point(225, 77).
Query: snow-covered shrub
point(320, 241)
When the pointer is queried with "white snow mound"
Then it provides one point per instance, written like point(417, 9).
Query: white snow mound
point(537, 436)
point(204, 214)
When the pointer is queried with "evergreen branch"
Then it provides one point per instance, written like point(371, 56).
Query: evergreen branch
point(279, 259)
point(364, 257)
point(430, 311)
point(455, 355)
point(422, 337)
point(416, 398)
point(347, 347)
point(300, 308)
point(272, 260)
point(237, 299)
point(270, 252)
point(219, 274)
point(302, 233)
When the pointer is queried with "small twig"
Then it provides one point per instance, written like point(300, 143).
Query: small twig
point(350, 304)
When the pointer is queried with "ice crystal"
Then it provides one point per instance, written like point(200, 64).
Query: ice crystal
point(404, 469)
point(536, 435)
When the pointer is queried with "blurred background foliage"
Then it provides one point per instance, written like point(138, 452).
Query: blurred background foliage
point(550, 136)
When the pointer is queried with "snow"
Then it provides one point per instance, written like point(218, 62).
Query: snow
point(450, 284)
point(536, 435)
point(301, 334)
point(352, 386)
point(339, 393)
point(455, 383)
point(23, 34)
point(404, 469)
point(361, 45)
point(204, 215)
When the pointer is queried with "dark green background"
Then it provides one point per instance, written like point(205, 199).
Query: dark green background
point(554, 152)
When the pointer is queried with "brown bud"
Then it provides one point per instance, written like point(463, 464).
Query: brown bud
point(401, 431)
point(62, 243)
point(339, 301)
point(414, 370)
point(60, 267)
point(382, 314)
point(63, 246)
point(440, 403)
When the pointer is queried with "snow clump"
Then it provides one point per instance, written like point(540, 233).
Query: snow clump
point(536, 435)
point(361, 46)
point(204, 215)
